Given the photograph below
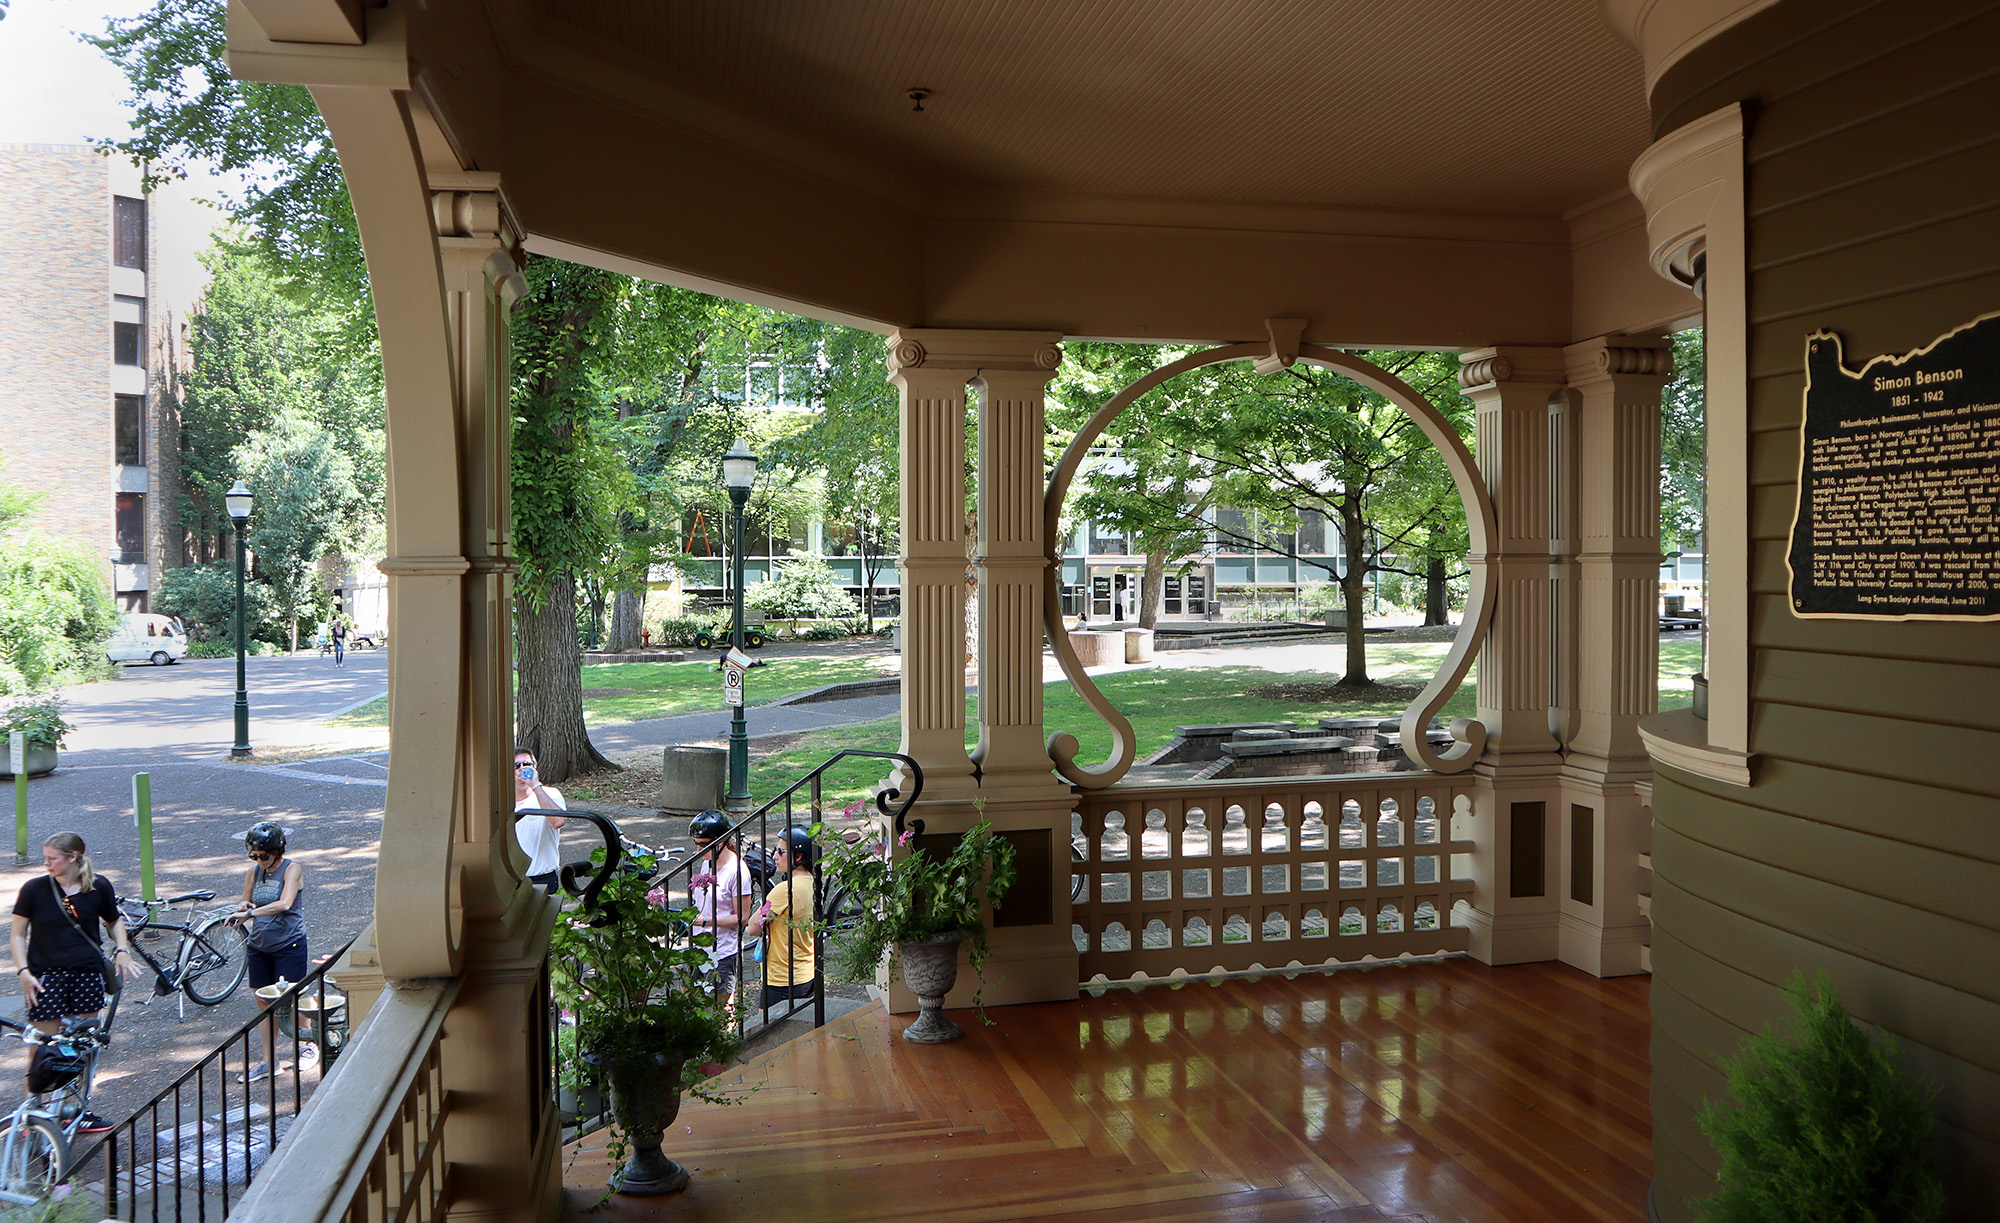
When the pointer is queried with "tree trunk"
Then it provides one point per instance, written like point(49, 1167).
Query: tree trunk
point(628, 607)
point(1435, 591)
point(1354, 588)
point(548, 718)
point(1152, 589)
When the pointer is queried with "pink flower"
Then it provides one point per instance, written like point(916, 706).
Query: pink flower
point(704, 880)
point(657, 898)
point(909, 835)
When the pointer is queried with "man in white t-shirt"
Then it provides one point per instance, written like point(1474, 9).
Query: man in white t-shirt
point(722, 893)
point(540, 836)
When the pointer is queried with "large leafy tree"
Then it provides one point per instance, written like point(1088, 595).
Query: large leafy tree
point(569, 478)
point(306, 504)
point(55, 612)
point(257, 357)
point(1683, 449)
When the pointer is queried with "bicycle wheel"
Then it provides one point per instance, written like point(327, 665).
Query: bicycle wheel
point(843, 910)
point(36, 1154)
point(213, 961)
point(1078, 884)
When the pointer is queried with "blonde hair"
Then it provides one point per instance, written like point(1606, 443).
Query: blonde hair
point(70, 843)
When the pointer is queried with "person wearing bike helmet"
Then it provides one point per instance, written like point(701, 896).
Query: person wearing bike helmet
point(722, 893)
point(57, 946)
point(272, 904)
point(787, 918)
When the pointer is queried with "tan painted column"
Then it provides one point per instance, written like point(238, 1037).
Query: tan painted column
point(443, 264)
point(1513, 909)
point(931, 445)
point(1617, 382)
point(1031, 955)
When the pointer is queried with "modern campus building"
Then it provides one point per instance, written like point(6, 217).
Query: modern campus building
point(100, 277)
point(1547, 188)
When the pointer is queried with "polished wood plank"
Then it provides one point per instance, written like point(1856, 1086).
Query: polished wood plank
point(1434, 1090)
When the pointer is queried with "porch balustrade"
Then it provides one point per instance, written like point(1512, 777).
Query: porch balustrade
point(1268, 872)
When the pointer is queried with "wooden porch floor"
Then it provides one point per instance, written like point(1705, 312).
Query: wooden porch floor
point(1433, 1091)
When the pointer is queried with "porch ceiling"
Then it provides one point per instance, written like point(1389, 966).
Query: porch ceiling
point(1520, 108)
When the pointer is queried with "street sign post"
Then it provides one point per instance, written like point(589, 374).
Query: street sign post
point(17, 752)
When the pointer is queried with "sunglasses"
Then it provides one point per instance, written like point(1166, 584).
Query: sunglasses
point(259, 855)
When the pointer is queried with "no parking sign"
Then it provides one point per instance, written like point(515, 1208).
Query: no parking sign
point(732, 684)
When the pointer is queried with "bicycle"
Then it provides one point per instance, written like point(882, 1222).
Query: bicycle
point(35, 1140)
point(209, 961)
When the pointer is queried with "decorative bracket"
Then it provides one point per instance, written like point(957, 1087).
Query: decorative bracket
point(1285, 334)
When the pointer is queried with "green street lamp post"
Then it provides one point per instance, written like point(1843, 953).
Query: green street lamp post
point(238, 501)
point(739, 472)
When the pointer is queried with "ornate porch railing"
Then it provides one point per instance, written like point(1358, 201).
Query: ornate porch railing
point(1267, 872)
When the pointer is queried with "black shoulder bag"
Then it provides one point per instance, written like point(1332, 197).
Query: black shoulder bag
point(112, 981)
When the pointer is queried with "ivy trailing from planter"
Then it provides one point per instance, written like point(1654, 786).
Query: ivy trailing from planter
point(1826, 1126)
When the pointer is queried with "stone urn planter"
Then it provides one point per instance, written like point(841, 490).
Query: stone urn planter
point(645, 1098)
point(930, 969)
point(41, 759)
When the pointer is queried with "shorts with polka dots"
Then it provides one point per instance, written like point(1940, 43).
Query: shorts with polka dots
point(68, 991)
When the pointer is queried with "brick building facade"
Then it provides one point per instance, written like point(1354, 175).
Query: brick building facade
point(98, 278)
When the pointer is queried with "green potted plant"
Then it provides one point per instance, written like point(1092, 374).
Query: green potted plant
point(629, 970)
point(924, 905)
point(1825, 1125)
point(40, 718)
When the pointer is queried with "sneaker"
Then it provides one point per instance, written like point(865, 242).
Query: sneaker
point(308, 1054)
point(256, 1074)
point(91, 1123)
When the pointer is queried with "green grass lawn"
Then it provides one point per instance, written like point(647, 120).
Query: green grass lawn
point(635, 692)
point(1156, 701)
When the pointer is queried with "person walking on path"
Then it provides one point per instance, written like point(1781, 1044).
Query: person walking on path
point(722, 893)
point(273, 892)
point(540, 836)
point(58, 951)
point(788, 918)
point(339, 634)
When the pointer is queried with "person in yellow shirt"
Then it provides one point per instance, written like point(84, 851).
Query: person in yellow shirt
point(787, 921)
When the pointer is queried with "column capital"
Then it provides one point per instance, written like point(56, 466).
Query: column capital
point(1514, 364)
point(1645, 363)
point(941, 349)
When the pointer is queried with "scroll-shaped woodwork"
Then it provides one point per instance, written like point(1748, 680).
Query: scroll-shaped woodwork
point(1470, 735)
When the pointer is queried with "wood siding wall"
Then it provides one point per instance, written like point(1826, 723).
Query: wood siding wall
point(1870, 842)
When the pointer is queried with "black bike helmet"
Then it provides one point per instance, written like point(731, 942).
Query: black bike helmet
point(709, 825)
point(265, 837)
point(800, 843)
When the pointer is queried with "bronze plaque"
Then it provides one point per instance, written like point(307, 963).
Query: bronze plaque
point(1898, 515)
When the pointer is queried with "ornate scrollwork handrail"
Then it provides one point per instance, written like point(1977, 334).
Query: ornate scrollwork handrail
point(1480, 527)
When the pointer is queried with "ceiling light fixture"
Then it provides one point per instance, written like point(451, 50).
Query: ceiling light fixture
point(917, 95)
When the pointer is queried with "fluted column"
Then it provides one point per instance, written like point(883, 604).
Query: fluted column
point(1616, 383)
point(1510, 389)
point(1013, 569)
point(1009, 780)
point(933, 567)
point(1513, 910)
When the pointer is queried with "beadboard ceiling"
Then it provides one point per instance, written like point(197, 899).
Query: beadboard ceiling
point(1519, 108)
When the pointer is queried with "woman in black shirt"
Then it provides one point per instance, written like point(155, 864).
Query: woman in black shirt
point(57, 946)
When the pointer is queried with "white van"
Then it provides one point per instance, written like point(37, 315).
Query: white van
point(141, 636)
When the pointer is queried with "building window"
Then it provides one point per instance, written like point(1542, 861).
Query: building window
point(1312, 533)
point(131, 528)
point(128, 430)
point(128, 232)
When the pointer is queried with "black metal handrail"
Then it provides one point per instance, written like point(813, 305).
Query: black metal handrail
point(126, 1149)
point(749, 839)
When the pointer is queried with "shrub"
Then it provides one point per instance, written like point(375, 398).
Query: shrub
point(802, 589)
point(39, 717)
point(821, 630)
point(1826, 1125)
point(55, 613)
point(204, 597)
point(682, 632)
